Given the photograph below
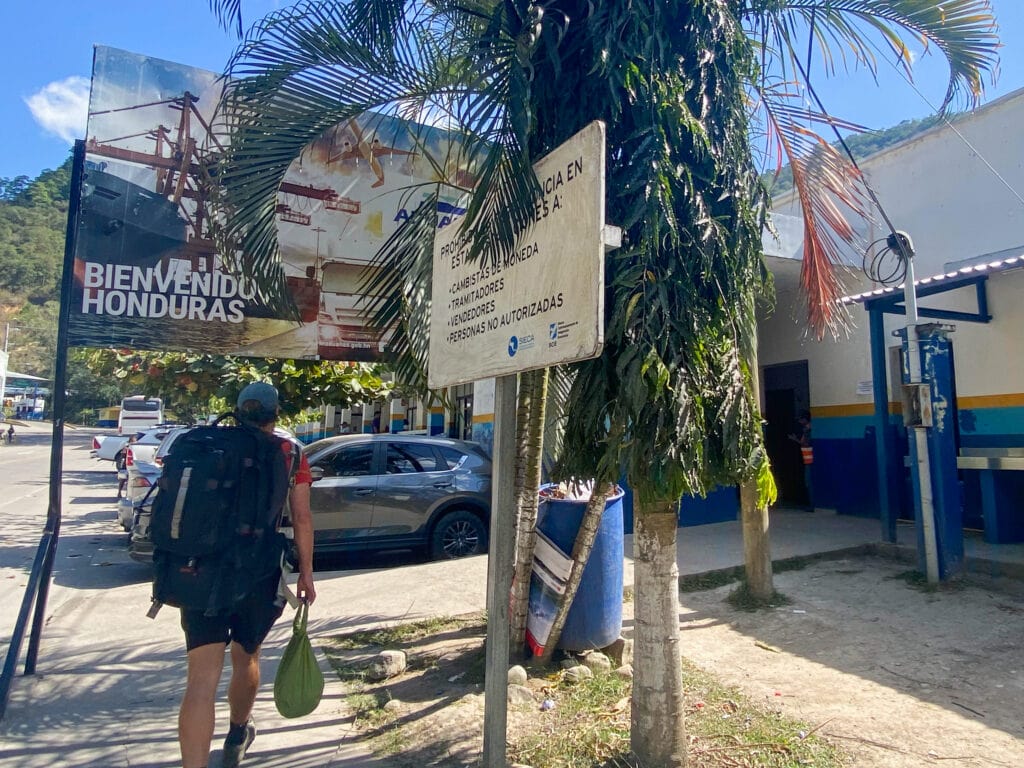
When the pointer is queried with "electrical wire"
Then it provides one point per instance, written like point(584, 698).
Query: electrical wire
point(883, 264)
point(897, 242)
point(888, 265)
point(949, 123)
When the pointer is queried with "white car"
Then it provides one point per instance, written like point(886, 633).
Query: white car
point(143, 459)
point(108, 447)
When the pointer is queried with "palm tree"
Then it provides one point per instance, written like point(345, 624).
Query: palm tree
point(670, 401)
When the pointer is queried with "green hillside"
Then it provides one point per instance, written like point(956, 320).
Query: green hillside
point(33, 214)
point(33, 217)
point(863, 145)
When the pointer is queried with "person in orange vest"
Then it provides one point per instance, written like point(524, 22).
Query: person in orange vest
point(806, 453)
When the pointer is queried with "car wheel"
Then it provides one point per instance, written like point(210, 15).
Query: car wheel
point(458, 534)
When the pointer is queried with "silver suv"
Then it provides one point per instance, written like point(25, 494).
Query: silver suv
point(396, 491)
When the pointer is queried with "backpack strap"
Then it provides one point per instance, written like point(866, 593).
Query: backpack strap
point(293, 464)
point(229, 415)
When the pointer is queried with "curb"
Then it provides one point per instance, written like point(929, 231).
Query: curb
point(976, 569)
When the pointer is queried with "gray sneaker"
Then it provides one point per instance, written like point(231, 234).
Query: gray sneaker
point(236, 743)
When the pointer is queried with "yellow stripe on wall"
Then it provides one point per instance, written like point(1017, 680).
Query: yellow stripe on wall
point(852, 409)
point(868, 409)
point(991, 401)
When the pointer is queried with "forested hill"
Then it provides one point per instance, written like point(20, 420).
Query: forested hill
point(33, 216)
point(863, 145)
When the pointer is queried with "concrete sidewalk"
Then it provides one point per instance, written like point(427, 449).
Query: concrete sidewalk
point(109, 680)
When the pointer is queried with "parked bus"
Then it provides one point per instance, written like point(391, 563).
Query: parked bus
point(108, 417)
point(139, 412)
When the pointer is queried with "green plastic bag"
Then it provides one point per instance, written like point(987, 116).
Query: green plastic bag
point(299, 683)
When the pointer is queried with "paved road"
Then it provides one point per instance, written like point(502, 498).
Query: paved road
point(109, 680)
point(24, 495)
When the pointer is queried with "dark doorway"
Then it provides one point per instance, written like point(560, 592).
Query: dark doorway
point(462, 424)
point(786, 394)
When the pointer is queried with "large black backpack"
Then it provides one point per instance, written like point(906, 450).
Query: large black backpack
point(215, 516)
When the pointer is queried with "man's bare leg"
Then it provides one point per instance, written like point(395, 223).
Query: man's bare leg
point(245, 682)
point(196, 716)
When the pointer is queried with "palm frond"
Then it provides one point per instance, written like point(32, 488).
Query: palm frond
point(298, 73)
point(965, 31)
point(398, 290)
point(301, 71)
point(228, 13)
point(830, 191)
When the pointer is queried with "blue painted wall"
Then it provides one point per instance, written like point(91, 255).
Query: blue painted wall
point(720, 506)
point(845, 475)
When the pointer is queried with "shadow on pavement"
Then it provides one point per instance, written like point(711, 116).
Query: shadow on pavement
point(114, 706)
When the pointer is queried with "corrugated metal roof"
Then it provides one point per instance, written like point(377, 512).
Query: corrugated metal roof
point(975, 270)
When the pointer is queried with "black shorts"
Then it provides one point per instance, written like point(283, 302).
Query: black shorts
point(248, 625)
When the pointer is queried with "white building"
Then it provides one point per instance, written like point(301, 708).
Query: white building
point(958, 191)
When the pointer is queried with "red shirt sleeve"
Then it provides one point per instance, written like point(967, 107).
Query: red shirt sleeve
point(303, 475)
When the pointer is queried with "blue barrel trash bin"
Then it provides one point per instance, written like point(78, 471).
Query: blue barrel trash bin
point(595, 618)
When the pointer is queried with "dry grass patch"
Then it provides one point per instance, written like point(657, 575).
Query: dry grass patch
point(437, 719)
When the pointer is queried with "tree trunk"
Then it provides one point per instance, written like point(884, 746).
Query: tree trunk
point(580, 554)
point(757, 553)
point(657, 727)
point(526, 538)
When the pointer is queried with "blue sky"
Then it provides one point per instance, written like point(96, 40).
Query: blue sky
point(44, 90)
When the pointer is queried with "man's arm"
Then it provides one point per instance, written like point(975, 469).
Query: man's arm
point(302, 526)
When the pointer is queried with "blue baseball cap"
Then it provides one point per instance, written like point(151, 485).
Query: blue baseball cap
point(258, 396)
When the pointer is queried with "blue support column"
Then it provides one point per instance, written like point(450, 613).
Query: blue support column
point(937, 364)
point(888, 465)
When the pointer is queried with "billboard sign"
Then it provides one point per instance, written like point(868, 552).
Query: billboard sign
point(147, 275)
point(543, 303)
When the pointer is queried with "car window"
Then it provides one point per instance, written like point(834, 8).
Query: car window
point(453, 458)
point(351, 461)
point(403, 458)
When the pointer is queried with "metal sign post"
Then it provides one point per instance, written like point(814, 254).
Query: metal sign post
point(500, 564)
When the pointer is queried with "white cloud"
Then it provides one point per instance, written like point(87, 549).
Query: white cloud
point(62, 107)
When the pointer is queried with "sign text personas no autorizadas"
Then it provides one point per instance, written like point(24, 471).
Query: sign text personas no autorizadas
point(543, 303)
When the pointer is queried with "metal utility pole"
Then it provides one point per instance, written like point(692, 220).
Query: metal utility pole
point(918, 394)
point(4, 358)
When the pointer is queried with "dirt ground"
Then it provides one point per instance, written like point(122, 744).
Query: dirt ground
point(896, 676)
point(900, 677)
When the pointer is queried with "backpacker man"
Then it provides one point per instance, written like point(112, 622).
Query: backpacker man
point(248, 622)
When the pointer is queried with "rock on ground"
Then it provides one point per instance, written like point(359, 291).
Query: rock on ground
point(386, 665)
point(519, 695)
point(517, 675)
point(577, 674)
point(597, 662)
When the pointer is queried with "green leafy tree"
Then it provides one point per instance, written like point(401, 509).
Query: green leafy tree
point(32, 340)
point(670, 402)
point(33, 217)
point(192, 384)
point(87, 391)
